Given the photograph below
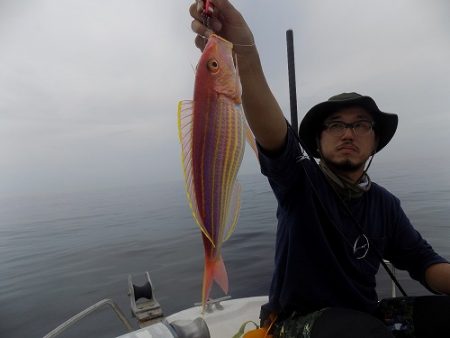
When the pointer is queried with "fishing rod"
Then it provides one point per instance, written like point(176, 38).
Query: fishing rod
point(294, 126)
point(292, 85)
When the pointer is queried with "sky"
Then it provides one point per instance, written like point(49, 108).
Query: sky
point(89, 89)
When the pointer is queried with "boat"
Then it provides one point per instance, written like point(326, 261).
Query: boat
point(222, 317)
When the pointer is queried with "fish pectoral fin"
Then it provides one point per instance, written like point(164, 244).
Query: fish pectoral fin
point(249, 135)
point(233, 210)
point(251, 140)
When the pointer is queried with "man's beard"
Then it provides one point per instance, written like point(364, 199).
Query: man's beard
point(345, 166)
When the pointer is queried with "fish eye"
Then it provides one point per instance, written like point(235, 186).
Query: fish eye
point(213, 65)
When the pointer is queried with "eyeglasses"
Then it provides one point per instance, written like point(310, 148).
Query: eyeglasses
point(360, 128)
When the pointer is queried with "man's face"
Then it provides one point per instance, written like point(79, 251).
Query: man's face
point(347, 152)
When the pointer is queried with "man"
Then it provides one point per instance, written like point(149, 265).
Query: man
point(334, 224)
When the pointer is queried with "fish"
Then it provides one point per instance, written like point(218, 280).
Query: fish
point(212, 132)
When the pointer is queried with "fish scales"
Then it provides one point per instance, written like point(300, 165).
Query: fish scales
point(221, 156)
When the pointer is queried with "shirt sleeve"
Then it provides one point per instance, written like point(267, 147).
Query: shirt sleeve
point(282, 168)
point(408, 250)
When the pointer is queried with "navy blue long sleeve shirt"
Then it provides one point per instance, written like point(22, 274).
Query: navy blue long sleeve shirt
point(315, 265)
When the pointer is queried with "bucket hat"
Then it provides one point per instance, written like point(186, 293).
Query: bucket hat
point(312, 124)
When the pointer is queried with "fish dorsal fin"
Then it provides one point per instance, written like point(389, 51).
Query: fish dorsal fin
point(233, 210)
point(185, 124)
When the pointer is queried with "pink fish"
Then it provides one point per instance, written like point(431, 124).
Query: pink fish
point(212, 131)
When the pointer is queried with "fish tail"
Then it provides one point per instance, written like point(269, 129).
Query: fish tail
point(214, 270)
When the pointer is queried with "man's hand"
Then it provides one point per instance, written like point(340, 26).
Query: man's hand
point(438, 277)
point(225, 21)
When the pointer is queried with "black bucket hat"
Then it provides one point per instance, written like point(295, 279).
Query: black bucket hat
point(311, 125)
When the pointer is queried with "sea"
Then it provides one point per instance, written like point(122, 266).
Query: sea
point(62, 252)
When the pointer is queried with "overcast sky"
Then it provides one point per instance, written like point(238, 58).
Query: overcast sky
point(89, 89)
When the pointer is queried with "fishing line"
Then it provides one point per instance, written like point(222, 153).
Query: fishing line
point(251, 44)
point(293, 97)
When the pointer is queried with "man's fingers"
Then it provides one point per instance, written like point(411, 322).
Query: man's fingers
point(222, 4)
point(215, 24)
point(200, 42)
point(195, 13)
point(200, 6)
point(200, 29)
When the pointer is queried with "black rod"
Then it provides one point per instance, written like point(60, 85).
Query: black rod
point(291, 72)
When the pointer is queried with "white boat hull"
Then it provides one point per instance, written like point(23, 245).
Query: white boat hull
point(223, 322)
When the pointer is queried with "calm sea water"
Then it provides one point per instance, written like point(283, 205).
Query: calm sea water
point(61, 253)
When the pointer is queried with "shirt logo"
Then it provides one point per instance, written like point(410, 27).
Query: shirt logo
point(303, 154)
point(361, 247)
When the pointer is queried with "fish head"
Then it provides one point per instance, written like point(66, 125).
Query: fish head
point(217, 68)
